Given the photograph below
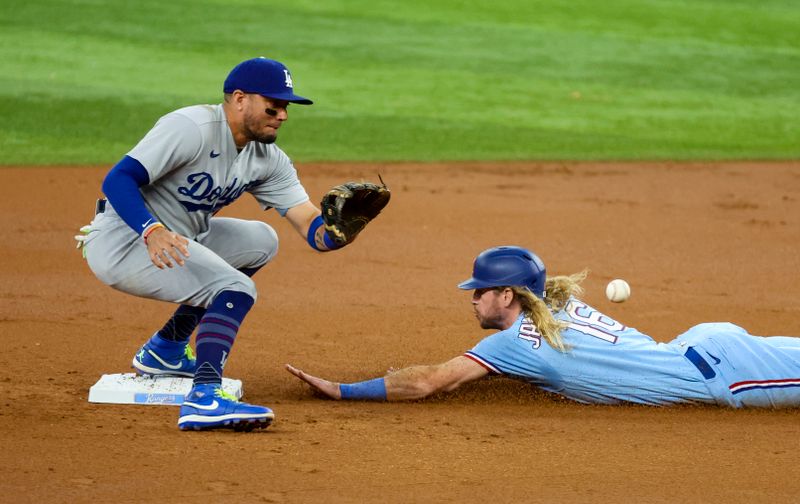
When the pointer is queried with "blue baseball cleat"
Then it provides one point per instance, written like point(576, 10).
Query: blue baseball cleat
point(151, 360)
point(209, 407)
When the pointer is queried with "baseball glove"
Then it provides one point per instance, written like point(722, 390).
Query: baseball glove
point(348, 208)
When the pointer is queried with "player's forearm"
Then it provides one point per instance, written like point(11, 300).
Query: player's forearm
point(307, 221)
point(121, 187)
point(389, 388)
point(408, 383)
point(412, 383)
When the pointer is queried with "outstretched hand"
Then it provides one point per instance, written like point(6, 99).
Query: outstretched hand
point(326, 387)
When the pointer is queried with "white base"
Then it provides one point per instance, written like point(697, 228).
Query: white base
point(130, 388)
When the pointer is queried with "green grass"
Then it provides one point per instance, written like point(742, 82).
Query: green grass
point(82, 81)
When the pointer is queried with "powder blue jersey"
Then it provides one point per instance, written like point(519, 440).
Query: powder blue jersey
point(605, 362)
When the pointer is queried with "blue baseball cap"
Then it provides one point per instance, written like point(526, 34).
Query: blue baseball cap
point(266, 77)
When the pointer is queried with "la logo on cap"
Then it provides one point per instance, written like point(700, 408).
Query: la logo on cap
point(266, 77)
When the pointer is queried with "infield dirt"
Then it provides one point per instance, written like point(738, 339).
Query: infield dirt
point(697, 242)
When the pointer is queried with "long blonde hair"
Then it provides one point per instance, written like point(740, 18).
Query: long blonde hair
point(558, 290)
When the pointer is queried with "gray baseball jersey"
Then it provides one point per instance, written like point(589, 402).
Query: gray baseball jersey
point(194, 170)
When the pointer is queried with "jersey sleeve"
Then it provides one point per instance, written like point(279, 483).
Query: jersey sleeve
point(174, 141)
point(513, 353)
point(489, 353)
point(281, 188)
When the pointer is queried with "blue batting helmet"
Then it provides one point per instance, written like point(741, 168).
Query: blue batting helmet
point(507, 265)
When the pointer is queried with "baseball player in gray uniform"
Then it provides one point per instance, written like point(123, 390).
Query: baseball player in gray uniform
point(155, 234)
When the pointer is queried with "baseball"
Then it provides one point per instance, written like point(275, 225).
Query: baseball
point(618, 291)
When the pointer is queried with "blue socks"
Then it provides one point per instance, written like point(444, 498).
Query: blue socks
point(217, 332)
point(181, 325)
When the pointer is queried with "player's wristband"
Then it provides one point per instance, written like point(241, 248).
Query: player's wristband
point(312, 236)
point(374, 390)
point(152, 227)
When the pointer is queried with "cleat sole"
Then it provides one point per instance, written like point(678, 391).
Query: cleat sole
point(242, 425)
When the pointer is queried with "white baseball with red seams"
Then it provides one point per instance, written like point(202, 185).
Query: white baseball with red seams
point(618, 291)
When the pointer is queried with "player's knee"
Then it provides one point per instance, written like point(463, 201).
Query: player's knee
point(271, 243)
point(239, 283)
point(266, 242)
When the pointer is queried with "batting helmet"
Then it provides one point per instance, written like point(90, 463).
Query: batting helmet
point(508, 265)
